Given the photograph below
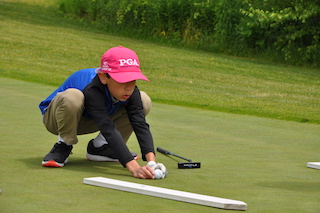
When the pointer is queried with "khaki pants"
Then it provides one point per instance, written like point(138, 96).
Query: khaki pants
point(64, 116)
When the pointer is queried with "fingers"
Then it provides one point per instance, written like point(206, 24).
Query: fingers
point(147, 172)
point(144, 172)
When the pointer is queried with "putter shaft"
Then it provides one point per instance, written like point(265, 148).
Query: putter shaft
point(163, 151)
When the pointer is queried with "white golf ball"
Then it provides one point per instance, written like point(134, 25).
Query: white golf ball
point(158, 174)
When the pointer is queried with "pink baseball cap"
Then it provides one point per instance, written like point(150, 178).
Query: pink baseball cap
point(122, 64)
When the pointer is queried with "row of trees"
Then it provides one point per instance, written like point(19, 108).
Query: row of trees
point(287, 30)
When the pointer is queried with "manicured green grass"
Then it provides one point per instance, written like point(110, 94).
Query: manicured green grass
point(39, 45)
point(256, 160)
point(260, 161)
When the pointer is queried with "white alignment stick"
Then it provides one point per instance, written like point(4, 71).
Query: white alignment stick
point(314, 165)
point(166, 193)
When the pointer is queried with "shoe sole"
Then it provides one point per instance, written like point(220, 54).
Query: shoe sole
point(100, 158)
point(54, 164)
point(104, 158)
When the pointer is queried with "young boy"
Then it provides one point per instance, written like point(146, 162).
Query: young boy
point(105, 99)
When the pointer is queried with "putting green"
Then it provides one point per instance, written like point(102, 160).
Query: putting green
point(256, 160)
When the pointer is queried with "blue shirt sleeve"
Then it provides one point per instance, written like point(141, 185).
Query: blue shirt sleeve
point(78, 80)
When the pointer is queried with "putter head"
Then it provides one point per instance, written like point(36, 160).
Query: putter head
point(189, 165)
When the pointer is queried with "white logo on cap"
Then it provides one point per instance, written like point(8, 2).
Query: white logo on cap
point(124, 62)
point(105, 64)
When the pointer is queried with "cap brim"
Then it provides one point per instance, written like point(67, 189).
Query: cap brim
point(124, 77)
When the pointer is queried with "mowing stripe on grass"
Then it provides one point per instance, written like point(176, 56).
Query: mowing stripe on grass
point(258, 160)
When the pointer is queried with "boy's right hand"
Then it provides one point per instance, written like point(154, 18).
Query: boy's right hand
point(144, 172)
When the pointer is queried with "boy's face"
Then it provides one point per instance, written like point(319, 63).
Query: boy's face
point(121, 91)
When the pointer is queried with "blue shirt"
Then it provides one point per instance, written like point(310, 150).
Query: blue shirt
point(78, 80)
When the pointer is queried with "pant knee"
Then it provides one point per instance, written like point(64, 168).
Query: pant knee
point(146, 102)
point(72, 99)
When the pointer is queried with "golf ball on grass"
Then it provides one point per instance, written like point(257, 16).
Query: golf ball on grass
point(158, 174)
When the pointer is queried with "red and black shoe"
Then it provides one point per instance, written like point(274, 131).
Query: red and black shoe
point(58, 156)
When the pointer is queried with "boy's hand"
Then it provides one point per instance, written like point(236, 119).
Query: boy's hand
point(144, 172)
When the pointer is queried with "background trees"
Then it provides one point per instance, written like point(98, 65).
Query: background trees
point(285, 31)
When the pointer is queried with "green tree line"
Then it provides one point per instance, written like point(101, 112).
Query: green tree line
point(284, 31)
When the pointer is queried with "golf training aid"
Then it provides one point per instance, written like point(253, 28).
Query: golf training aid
point(183, 165)
point(171, 194)
point(314, 165)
